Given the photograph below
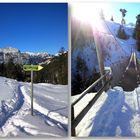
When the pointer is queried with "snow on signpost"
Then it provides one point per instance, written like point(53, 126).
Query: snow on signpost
point(32, 68)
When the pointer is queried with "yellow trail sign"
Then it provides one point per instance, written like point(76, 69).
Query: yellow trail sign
point(32, 67)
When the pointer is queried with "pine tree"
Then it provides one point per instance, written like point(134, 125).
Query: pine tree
point(10, 69)
point(123, 11)
point(136, 33)
point(112, 19)
point(56, 71)
point(138, 27)
point(19, 74)
point(79, 79)
point(1, 69)
point(121, 32)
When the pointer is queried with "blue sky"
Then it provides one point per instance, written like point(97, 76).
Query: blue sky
point(88, 11)
point(34, 27)
point(133, 9)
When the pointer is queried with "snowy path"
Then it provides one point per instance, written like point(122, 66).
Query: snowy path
point(116, 113)
point(10, 105)
point(45, 122)
point(54, 117)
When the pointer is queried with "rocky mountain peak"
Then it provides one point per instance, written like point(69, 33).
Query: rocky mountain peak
point(9, 53)
point(9, 50)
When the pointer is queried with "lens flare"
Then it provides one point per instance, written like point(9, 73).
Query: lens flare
point(90, 12)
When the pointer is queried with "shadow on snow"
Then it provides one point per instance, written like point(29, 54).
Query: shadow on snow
point(113, 118)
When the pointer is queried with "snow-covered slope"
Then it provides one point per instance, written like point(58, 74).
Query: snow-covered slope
point(113, 48)
point(127, 45)
point(116, 113)
point(83, 46)
point(115, 52)
point(50, 109)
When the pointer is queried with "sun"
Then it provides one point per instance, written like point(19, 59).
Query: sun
point(89, 12)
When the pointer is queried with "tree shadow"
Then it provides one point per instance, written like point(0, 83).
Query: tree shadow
point(113, 118)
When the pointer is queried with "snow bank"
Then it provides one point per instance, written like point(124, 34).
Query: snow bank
point(8, 88)
point(12, 100)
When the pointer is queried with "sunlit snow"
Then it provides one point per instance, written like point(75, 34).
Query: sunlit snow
point(50, 109)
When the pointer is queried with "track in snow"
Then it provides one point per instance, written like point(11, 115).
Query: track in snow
point(8, 111)
point(19, 122)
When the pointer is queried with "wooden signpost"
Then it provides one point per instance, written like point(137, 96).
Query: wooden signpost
point(32, 68)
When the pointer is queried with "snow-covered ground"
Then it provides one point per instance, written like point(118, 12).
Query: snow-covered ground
point(116, 113)
point(50, 109)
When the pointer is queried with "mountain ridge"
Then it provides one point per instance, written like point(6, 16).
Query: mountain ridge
point(14, 54)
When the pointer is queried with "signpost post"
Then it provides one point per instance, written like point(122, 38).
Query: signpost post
point(32, 68)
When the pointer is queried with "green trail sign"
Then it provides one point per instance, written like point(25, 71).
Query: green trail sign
point(32, 68)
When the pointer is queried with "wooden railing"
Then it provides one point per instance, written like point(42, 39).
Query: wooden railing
point(76, 120)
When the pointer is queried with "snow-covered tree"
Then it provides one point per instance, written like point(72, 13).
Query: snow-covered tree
point(79, 78)
point(123, 11)
point(121, 32)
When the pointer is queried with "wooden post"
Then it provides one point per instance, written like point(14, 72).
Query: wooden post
point(99, 55)
point(72, 118)
point(32, 92)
